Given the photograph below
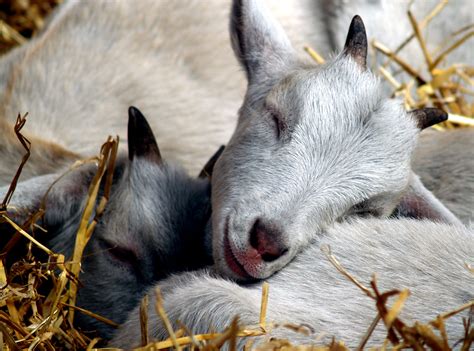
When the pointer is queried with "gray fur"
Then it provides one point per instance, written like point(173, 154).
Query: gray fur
point(445, 163)
point(313, 145)
point(121, 52)
point(153, 225)
point(96, 58)
point(425, 257)
point(389, 25)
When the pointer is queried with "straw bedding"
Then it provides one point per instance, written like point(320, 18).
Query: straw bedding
point(38, 291)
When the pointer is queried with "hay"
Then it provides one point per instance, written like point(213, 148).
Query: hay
point(21, 19)
point(37, 296)
point(448, 88)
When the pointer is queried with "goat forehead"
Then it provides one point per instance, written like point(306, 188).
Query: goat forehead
point(340, 107)
point(163, 183)
point(135, 221)
point(328, 96)
point(345, 135)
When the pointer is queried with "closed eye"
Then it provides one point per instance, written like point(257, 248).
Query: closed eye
point(363, 209)
point(277, 120)
point(120, 254)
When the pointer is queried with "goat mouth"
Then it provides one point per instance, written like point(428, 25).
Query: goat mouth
point(230, 258)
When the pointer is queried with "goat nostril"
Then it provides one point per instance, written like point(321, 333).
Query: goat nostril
point(266, 239)
point(254, 239)
point(268, 257)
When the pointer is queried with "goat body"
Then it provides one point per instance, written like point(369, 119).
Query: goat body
point(425, 257)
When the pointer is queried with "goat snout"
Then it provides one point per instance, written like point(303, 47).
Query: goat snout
point(268, 239)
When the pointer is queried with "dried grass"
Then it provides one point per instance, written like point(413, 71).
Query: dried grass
point(449, 88)
point(21, 19)
point(37, 296)
point(31, 319)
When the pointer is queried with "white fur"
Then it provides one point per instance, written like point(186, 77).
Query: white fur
point(95, 58)
point(313, 145)
point(422, 256)
point(445, 163)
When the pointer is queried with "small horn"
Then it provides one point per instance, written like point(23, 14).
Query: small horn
point(428, 116)
point(209, 166)
point(141, 141)
point(356, 42)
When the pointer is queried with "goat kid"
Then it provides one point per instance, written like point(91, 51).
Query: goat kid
point(86, 93)
point(313, 145)
point(96, 58)
point(153, 225)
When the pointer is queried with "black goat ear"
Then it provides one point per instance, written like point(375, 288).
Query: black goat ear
point(141, 141)
point(356, 42)
point(428, 116)
point(209, 166)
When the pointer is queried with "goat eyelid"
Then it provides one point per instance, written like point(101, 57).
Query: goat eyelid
point(277, 119)
point(118, 253)
point(362, 209)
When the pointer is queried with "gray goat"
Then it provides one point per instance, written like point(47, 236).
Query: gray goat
point(425, 257)
point(183, 76)
point(154, 225)
point(96, 58)
point(158, 54)
point(313, 145)
point(445, 163)
point(172, 58)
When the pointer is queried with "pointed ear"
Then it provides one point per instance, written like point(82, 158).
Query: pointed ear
point(141, 141)
point(356, 42)
point(258, 40)
point(428, 116)
point(418, 202)
point(209, 166)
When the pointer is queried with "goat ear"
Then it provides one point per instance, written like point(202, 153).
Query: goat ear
point(427, 117)
point(209, 166)
point(418, 202)
point(141, 141)
point(356, 42)
point(259, 42)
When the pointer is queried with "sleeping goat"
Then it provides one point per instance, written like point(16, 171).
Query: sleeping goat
point(153, 225)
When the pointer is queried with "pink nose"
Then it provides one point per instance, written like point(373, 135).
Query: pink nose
point(267, 238)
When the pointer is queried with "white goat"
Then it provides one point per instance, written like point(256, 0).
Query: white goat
point(313, 145)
